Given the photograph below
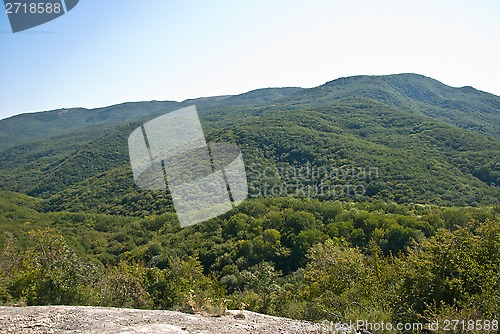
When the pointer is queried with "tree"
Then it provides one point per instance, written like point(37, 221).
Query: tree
point(262, 278)
point(49, 272)
point(456, 269)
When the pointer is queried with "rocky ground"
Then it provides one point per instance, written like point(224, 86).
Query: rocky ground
point(82, 319)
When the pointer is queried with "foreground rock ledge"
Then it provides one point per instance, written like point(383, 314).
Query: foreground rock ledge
point(83, 319)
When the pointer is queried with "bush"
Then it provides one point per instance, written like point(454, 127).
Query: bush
point(454, 270)
point(48, 272)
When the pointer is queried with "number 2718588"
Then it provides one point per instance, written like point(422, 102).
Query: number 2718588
point(32, 8)
point(470, 325)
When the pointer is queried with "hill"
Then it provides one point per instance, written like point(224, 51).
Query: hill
point(463, 107)
point(360, 192)
point(427, 143)
point(30, 127)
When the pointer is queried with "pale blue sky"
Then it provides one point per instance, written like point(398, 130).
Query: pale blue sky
point(105, 52)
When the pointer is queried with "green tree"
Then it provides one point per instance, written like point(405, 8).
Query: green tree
point(49, 272)
point(262, 279)
point(456, 269)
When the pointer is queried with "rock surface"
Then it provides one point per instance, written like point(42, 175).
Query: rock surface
point(83, 319)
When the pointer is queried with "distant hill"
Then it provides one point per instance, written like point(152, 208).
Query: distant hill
point(33, 126)
point(464, 107)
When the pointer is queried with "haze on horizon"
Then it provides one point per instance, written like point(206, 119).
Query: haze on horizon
point(104, 53)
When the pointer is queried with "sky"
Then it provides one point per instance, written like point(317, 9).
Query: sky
point(105, 52)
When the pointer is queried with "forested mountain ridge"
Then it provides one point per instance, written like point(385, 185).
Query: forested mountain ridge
point(412, 173)
point(384, 123)
point(464, 107)
point(34, 126)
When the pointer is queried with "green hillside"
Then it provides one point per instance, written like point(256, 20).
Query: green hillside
point(306, 259)
point(358, 189)
point(463, 107)
point(35, 126)
point(345, 125)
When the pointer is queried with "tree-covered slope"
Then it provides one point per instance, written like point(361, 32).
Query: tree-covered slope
point(300, 258)
point(370, 198)
point(463, 107)
point(345, 126)
point(36, 126)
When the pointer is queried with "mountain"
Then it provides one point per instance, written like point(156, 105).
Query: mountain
point(463, 107)
point(34, 126)
point(428, 142)
point(370, 197)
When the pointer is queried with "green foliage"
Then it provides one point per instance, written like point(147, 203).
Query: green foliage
point(306, 259)
point(454, 269)
point(420, 242)
point(121, 286)
point(49, 272)
point(342, 284)
point(262, 279)
point(442, 153)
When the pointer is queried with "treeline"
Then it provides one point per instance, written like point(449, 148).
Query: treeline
point(291, 257)
point(49, 272)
